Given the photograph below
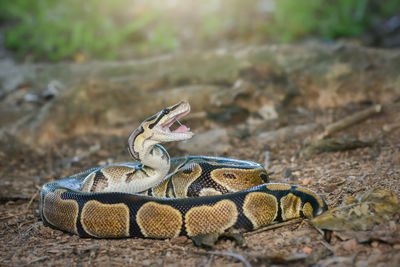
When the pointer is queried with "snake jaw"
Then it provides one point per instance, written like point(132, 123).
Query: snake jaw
point(175, 113)
point(180, 131)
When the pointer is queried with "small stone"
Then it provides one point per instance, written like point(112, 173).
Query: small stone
point(31, 98)
point(297, 173)
point(101, 163)
point(307, 250)
point(374, 244)
point(276, 168)
point(181, 240)
point(350, 245)
point(214, 141)
point(52, 90)
point(286, 173)
point(330, 188)
point(268, 112)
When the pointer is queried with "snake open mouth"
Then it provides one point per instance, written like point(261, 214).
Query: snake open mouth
point(174, 116)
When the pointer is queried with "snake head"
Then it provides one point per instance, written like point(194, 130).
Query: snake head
point(160, 126)
point(157, 129)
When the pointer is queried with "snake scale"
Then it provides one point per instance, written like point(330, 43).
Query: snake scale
point(162, 197)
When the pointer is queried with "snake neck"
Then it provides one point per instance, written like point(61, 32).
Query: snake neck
point(156, 165)
point(154, 157)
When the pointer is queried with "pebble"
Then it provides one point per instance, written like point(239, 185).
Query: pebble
point(181, 240)
point(212, 142)
point(286, 173)
point(31, 98)
point(268, 112)
point(374, 244)
point(350, 245)
point(307, 250)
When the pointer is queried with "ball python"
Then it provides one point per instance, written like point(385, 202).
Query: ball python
point(162, 197)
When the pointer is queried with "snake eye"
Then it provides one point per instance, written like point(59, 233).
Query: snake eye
point(165, 111)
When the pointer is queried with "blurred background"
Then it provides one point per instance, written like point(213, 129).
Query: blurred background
point(75, 30)
point(265, 79)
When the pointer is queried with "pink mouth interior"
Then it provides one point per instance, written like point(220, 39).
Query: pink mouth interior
point(181, 129)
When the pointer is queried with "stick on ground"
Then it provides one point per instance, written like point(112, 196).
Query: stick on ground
point(350, 120)
point(274, 226)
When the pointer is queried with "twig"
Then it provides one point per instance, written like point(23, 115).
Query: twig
point(350, 120)
point(38, 259)
point(12, 216)
point(274, 226)
point(26, 209)
point(210, 261)
point(25, 222)
point(230, 254)
point(30, 201)
point(328, 247)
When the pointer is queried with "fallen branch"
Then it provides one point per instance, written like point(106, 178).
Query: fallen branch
point(274, 226)
point(350, 120)
point(12, 216)
point(39, 259)
point(335, 144)
point(32, 198)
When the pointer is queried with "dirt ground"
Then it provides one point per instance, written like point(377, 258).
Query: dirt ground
point(336, 175)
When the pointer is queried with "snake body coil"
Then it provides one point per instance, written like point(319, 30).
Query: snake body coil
point(159, 197)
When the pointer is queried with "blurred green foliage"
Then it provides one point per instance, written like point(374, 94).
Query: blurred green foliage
point(58, 29)
point(329, 19)
point(106, 29)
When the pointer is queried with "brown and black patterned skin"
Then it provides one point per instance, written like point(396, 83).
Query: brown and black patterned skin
point(197, 196)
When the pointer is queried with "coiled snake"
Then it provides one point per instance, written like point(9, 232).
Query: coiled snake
point(163, 197)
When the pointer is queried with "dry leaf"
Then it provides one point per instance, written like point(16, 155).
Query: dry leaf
point(374, 207)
